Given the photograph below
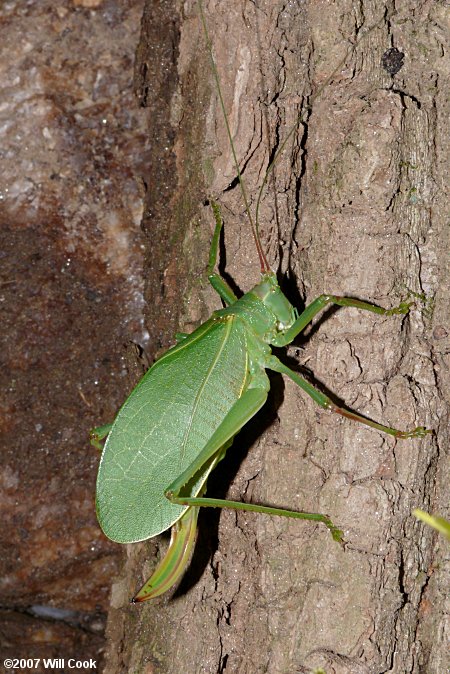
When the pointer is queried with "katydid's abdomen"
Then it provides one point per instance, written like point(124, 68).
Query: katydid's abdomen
point(164, 424)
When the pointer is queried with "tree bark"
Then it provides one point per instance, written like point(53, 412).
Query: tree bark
point(355, 206)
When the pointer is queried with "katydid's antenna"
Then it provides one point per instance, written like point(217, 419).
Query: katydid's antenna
point(262, 258)
point(303, 115)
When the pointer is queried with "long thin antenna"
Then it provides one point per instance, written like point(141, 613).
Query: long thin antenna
point(302, 115)
point(262, 258)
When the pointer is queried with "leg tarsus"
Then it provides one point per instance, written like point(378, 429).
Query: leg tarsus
point(179, 336)
point(418, 432)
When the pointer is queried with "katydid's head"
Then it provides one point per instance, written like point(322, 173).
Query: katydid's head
point(270, 293)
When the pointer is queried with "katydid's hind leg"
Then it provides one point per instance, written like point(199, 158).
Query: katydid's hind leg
point(241, 412)
point(244, 409)
point(218, 283)
point(324, 401)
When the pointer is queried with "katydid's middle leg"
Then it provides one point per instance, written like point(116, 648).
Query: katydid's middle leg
point(324, 401)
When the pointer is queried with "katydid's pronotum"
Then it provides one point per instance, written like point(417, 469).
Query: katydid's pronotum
point(182, 417)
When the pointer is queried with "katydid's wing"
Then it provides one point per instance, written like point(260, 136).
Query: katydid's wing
point(163, 426)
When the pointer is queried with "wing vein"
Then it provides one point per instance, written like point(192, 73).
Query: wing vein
point(201, 389)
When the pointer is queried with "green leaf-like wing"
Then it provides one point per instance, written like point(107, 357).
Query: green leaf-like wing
point(164, 424)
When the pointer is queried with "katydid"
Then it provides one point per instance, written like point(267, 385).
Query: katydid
point(182, 417)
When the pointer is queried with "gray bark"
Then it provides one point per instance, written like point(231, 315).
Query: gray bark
point(356, 206)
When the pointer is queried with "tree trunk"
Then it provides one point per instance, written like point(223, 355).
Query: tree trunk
point(355, 206)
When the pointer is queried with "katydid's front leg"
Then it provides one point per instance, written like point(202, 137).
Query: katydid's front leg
point(244, 409)
point(324, 401)
point(305, 318)
point(218, 283)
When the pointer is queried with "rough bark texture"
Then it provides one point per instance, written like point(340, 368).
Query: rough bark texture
point(356, 206)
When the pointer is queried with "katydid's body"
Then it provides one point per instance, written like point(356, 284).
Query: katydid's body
point(199, 388)
point(182, 417)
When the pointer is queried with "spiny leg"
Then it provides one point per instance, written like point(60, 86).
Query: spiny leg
point(265, 510)
point(218, 283)
point(324, 401)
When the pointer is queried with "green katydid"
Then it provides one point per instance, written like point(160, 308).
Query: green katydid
point(181, 418)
